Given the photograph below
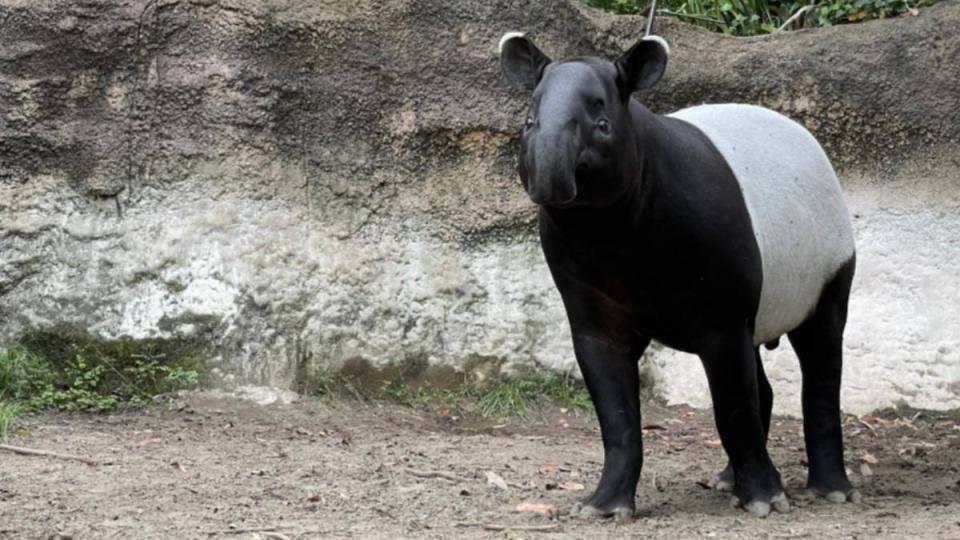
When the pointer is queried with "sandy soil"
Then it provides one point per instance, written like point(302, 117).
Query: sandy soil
point(217, 468)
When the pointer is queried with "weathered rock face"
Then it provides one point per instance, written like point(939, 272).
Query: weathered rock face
point(303, 183)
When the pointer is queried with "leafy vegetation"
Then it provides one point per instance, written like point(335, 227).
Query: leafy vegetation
point(753, 17)
point(9, 412)
point(86, 376)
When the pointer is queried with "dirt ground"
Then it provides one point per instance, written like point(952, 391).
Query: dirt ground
point(221, 468)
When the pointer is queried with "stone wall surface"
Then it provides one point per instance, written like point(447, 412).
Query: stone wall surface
point(300, 183)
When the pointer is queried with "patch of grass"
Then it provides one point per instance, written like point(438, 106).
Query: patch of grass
point(508, 397)
point(502, 396)
point(512, 396)
point(89, 375)
point(419, 395)
point(24, 376)
point(902, 409)
point(9, 412)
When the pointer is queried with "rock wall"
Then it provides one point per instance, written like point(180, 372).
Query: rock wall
point(303, 183)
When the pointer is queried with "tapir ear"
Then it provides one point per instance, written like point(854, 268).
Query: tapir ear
point(642, 66)
point(522, 62)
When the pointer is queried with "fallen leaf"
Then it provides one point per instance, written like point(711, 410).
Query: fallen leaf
point(714, 442)
point(546, 468)
point(650, 427)
point(496, 480)
point(704, 484)
point(571, 486)
point(659, 483)
point(535, 507)
point(865, 470)
point(867, 457)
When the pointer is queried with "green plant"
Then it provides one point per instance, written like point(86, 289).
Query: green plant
point(513, 395)
point(508, 397)
point(752, 17)
point(566, 390)
point(90, 377)
point(23, 375)
point(9, 411)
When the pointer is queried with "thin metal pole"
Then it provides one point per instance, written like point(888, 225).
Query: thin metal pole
point(650, 16)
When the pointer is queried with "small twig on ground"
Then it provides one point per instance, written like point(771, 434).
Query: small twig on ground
point(269, 532)
point(521, 528)
point(437, 474)
point(867, 425)
point(34, 452)
point(241, 531)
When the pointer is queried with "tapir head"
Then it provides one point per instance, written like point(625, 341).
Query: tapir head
point(579, 144)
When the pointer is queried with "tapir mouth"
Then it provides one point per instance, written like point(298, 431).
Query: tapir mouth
point(555, 203)
point(552, 197)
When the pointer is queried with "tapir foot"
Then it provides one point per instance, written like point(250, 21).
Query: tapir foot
point(592, 507)
point(837, 494)
point(761, 508)
point(761, 492)
point(723, 480)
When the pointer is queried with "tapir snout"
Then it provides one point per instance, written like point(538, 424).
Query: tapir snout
point(552, 158)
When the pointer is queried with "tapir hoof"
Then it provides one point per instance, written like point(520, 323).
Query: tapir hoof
point(723, 480)
point(840, 497)
point(620, 514)
point(762, 509)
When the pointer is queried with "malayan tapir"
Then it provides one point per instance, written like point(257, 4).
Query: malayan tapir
point(713, 230)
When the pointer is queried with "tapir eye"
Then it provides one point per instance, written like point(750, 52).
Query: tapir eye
point(603, 125)
point(529, 123)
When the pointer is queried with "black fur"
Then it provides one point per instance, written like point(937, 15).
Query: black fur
point(647, 236)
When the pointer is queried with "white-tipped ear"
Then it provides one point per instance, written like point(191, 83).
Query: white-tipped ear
point(657, 39)
point(507, 37)
point(642, 66)
point(521, 61)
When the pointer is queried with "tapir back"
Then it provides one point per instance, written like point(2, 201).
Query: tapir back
point(791, 191)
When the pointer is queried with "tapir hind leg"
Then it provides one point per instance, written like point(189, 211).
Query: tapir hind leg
point(819, 345)
point(723, 481)
point(730, 361)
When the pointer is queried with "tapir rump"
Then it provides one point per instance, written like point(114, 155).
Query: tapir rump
point(712, 230)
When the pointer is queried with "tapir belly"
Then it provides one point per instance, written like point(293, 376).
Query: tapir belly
point(800, 222)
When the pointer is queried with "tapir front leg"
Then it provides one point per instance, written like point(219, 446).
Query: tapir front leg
point(610, 371)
